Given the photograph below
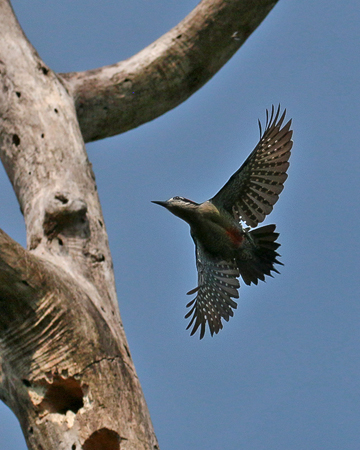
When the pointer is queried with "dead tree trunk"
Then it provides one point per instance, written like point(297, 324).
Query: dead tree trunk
point(65, 367)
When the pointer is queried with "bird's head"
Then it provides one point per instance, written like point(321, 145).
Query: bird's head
point(179, 206)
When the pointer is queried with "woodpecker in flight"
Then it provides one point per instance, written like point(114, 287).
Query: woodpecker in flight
point(225, 249)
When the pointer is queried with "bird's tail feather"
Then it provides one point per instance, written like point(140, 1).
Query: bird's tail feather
point(259, 254)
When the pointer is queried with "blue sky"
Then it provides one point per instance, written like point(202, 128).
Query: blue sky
point(284, 373)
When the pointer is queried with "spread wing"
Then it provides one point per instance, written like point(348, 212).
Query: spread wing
point(253, 190)
point(217, 283)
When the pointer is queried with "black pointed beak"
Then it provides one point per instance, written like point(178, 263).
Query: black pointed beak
point(157, 202)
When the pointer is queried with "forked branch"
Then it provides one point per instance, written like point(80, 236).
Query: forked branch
point(116, 98)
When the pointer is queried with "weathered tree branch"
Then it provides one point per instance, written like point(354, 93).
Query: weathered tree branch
point(60, 326)
point(54, 344)
point(117, 98)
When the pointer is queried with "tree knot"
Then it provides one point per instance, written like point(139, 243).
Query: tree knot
point(65, 215)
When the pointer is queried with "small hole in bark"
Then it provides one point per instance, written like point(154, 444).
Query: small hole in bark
point(45, 71)
point(73, 447)
point(96, 257)
point(25, 282)
point(179, 36)
point(16, 140)
point(26, 382)
point(42, 135)
point(56, 111)
point(62, 395)
point(29, 173)
point(102, 309)
point(62, 198)
point(31, 430)
point(60, 241)
point(18, 94)
point(100, 223)
point(103, 439)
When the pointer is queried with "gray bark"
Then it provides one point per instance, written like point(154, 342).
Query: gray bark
point(113, 99)
point(65, 367)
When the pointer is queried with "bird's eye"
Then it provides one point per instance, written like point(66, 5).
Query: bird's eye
point(177, 198)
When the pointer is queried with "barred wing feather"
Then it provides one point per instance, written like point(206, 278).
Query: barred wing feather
point(253, 190)
point(217, 284)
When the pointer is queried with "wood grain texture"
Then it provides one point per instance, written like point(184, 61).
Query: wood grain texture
point(60, 326)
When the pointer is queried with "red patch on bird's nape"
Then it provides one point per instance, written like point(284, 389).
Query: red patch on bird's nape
point(235, 235)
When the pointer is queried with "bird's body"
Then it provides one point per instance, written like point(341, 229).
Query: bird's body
point(218, 233)
point(224, 248)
